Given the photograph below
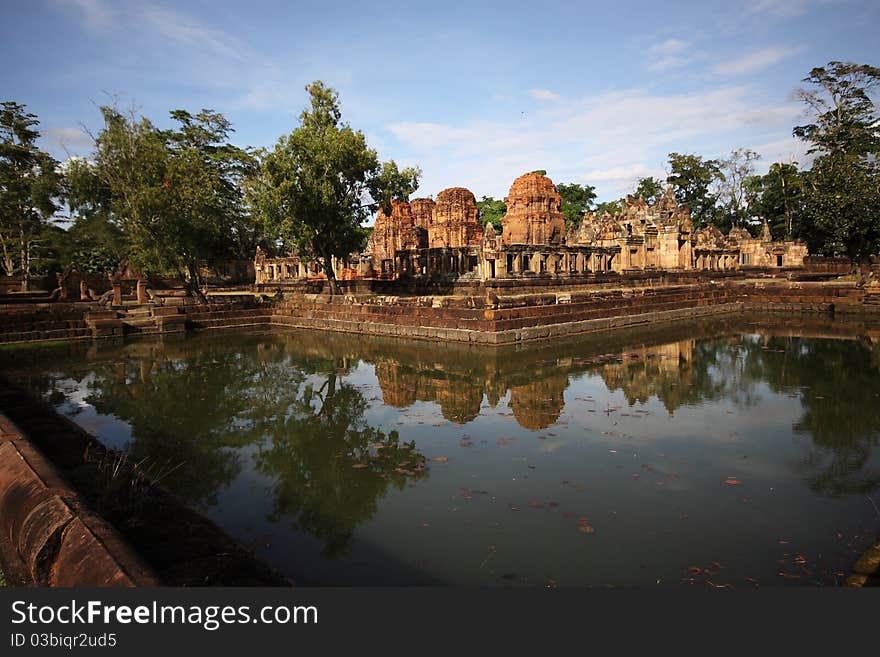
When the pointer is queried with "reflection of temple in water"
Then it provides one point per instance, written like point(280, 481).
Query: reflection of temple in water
point(661, 371)
point(459, 398)
point(537, 405)
point(537, 396)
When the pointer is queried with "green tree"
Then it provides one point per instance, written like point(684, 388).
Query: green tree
point(576, 200)
point(611, 207)
point(844, 116)
point(649, 188)
point(175, 195)
point(777, 196)
point(694, 180)
point(842, 190)
point(322, 181)
point(491, 211)
point(842, 207)
point(30, 187)
point(94, 243)
point(734, 193)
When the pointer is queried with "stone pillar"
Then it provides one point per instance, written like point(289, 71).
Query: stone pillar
point(83, 291)
point(117, 293)
point(142, 292)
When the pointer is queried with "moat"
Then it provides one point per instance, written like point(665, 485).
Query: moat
point(739, 452)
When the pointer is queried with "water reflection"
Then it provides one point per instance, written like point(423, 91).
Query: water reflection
point(294, 408)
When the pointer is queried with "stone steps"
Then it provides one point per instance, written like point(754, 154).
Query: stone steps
point(52, 334)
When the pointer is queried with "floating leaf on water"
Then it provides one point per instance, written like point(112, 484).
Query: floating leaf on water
point(514, 507)
point(732, 481)
point(357, 466)
point(441, 459)
point(586, 529)
point(785, 575)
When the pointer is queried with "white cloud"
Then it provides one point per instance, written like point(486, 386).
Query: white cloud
point(67, 138)
point(622, 176)
point(787, 151)
point(96, 14)
point(607, 140)
point(782, 8)
point(543, 94)
point(188, 31)
point(669, 54)
point(755, 61)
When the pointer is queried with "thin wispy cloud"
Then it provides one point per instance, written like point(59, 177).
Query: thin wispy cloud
point(782, 8)
point(544, 95)
point(668, 54)
point(188, 31)
point(95, 14)
point(755, 61)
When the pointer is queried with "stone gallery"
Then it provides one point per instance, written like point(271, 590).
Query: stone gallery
point(444, 237)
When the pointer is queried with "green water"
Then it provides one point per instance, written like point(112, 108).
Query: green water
point(739, 452)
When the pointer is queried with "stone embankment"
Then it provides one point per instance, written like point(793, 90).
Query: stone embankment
point(497, 319)
point(502, 314)
point(31, 322)
point(48, 537)
point(70, 508)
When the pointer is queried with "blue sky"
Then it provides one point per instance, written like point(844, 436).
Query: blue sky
point(474, 93)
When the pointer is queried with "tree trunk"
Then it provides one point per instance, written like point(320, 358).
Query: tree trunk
point(192, 285)
point(8, 262)
point(331, 275)
point(25, 264)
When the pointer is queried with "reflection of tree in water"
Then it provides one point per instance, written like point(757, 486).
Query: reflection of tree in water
point(284, 394)
point(191, 409)
point(687, 372)
point(185, 414)
point(331, 468)
point(837, 382)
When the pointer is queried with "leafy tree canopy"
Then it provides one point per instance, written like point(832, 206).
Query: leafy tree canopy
point(322, 181)
point(842, 190)
point(576, 200)
point(30, 190)
point(491, 211)
point(844, 116)
point(694, 179)
point(174, 195)
point(649, 189)
point(777, 196)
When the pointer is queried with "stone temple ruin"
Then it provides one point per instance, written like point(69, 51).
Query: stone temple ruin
point(426, 238)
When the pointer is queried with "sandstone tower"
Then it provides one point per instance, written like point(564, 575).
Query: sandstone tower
point(533, 212)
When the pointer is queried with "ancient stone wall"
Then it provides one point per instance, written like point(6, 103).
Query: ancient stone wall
point(422, 211)
point(395, 232)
